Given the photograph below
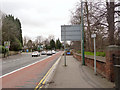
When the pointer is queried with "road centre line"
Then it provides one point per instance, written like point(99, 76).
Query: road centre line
point(4, 62)
point(15, 60)
point(12, 60)
point(23, 67)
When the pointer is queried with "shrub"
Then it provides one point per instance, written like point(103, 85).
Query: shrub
point(16, 46)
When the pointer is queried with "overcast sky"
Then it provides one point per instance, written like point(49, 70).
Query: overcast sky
point(40, 17)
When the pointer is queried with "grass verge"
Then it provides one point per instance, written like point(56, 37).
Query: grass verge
point(92, 53)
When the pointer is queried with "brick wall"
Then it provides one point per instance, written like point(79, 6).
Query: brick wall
point(110, 51)
point(104, 67)
point(100, 65)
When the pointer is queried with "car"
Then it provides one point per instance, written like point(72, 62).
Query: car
point(43, 53)
point(49, 52)
point(35, 53)
point(53, 52)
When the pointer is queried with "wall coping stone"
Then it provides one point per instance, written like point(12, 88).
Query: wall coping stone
point(98, 58)
point(113, 48)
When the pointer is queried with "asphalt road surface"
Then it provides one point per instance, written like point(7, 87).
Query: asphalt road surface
point(25, 71)
point(17, 61)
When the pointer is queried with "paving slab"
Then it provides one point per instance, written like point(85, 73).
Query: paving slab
point(75, 75)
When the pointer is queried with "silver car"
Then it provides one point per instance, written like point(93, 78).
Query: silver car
point(35, 54)
point(49, 52)
point(53, 52)
point(43, 53)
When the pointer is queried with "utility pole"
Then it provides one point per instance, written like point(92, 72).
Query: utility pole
point(82, 35)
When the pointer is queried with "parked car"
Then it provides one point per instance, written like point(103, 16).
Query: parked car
point(43, 53)
point(35, 53)
point(53, 52)
point(49, 52)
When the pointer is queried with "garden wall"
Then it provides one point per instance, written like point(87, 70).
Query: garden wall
point(89, 61)
point(104, 65)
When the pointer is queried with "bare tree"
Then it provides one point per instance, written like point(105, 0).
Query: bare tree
point(25, 40)
point(50, 37)
point(92, 19)
point(111, 19)
point(99, 18)
point(88, 26)
point(29, 44)
point(39, 39)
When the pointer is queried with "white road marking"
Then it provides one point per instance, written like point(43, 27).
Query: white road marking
point(4, 62)
point(17, 59)
point(10, 61)
point(23, 67)
point(14, 60)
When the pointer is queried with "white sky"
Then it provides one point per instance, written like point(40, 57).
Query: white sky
point(40, 17)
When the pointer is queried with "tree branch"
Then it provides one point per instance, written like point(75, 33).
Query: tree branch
point(117, 5)
point(116, 21)
point(118, 12)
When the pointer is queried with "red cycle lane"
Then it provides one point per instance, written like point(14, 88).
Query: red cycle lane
point(29, 76)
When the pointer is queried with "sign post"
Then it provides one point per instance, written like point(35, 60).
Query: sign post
point(7, 45)
point(94, 36)
point(70, 33)
point(65, 47)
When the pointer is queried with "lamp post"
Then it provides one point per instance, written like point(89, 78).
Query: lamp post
point(82, 35)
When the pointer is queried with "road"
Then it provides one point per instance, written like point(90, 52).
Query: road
point(17, 61)
point(24, 71)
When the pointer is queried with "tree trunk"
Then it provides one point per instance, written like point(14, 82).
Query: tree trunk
point(88, 28)
point(110, 20)
point(118, 42)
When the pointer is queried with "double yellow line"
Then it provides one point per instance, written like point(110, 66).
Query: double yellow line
point(43, 80)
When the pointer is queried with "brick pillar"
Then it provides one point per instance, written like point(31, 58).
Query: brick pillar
point(110, 51)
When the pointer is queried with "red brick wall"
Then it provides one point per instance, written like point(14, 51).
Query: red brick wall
point(101, 66)
point(104, 68)
point(110, 64)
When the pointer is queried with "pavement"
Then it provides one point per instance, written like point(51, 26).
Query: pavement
point(75, 75)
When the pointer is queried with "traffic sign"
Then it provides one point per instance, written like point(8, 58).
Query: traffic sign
point(71, 32)
point(7, 44)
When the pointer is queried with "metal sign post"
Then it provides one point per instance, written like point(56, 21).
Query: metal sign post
point(7, 45)
point(65, 47)
point(94, 36)
point(70, 33)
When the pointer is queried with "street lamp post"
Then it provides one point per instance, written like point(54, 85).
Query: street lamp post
point(82, 35)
